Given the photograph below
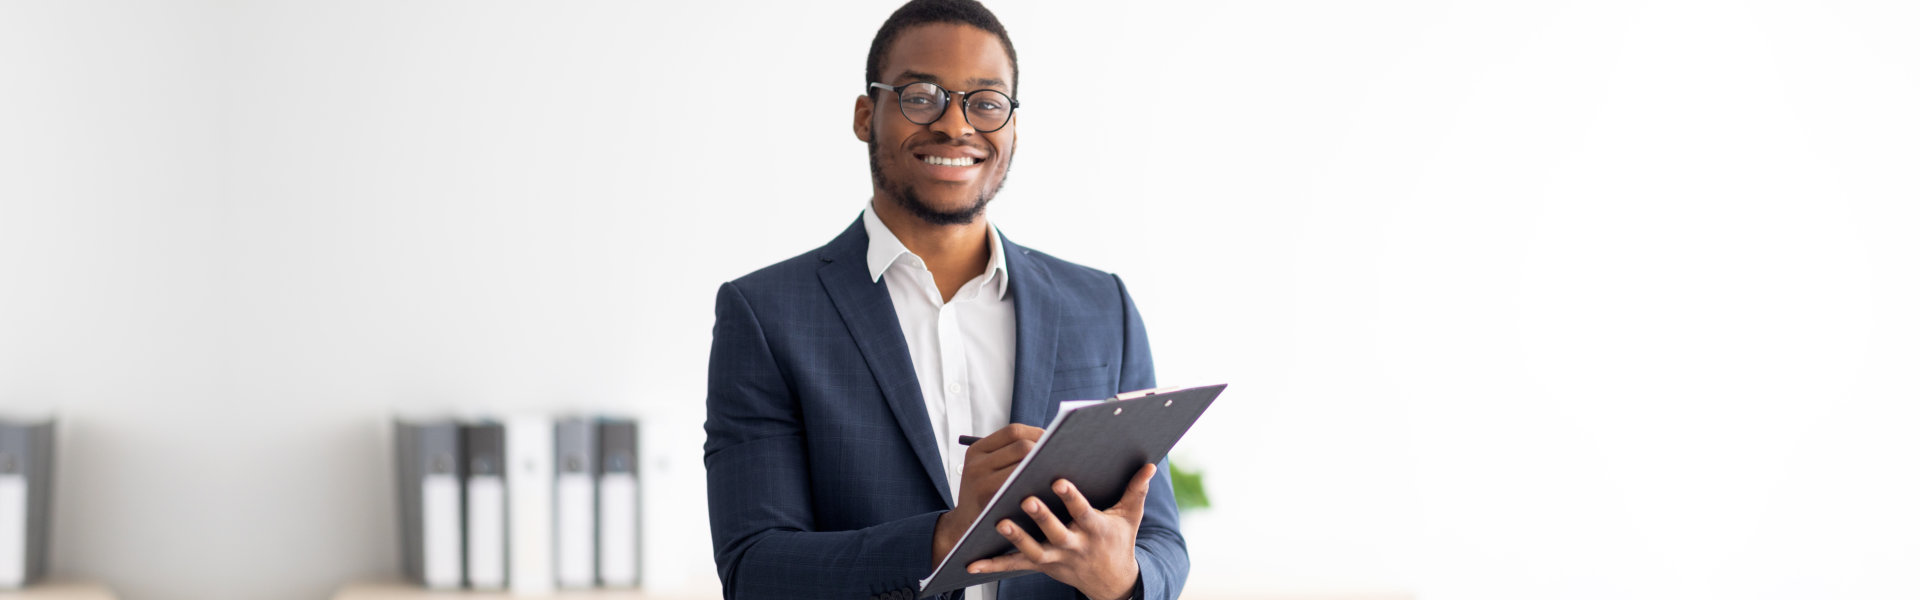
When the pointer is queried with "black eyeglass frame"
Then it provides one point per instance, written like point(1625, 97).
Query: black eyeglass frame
point(965, 97)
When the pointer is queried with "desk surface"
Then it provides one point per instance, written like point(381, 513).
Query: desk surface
point(59, 590)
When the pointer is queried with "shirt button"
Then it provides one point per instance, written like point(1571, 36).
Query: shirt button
point(953, 388)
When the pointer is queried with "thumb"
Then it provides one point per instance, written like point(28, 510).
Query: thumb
point(1134, 504)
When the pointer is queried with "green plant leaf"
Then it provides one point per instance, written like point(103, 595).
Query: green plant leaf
point(1189, 491)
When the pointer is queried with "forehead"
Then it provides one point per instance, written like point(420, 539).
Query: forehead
point(955, 54)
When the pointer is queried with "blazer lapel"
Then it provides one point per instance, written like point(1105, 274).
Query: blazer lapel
point(868, 312)
point(1035, 309)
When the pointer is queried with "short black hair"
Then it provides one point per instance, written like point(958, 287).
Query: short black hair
point(925, 12)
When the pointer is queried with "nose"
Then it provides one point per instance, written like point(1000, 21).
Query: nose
point(953, 121)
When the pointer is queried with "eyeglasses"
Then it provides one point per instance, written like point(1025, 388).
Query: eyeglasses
point(923, 103)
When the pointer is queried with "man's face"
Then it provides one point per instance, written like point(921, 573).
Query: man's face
point(960, 58)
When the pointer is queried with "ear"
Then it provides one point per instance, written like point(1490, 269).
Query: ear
point(863, 118)
point(1013, 124)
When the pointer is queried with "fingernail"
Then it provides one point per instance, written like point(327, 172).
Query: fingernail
point(1006, 529)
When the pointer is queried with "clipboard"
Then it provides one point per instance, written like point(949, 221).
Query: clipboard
point(1098, 445)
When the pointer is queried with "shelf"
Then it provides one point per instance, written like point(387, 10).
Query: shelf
point(59, 590)
point(1302, 596)
point(408, 591)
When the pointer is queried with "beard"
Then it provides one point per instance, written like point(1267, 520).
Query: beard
point(907, 198)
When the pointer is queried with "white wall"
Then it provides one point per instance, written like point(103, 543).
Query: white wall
point(1518, 299)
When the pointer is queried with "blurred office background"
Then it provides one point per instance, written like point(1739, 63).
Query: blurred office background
point(1517, 299)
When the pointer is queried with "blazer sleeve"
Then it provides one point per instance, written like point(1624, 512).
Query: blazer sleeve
point(759, 498)
point(1159, 547)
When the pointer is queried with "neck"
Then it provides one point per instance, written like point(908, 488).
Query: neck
point(954, 253)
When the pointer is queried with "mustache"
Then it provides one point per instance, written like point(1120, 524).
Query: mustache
point(952, 143)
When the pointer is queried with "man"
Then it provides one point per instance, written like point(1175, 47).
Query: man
point(841, 379)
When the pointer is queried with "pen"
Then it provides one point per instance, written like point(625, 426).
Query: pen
point(968, 440)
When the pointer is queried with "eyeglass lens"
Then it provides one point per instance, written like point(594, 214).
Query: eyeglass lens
point(986, 110)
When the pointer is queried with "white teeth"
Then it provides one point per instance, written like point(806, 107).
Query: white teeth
point(964, 161)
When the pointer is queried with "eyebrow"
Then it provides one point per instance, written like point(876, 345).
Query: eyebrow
point(976, 83)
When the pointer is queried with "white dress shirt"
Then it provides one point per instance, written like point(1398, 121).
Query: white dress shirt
point(962, 349)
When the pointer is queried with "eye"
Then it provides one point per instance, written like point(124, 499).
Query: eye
point(917, 99)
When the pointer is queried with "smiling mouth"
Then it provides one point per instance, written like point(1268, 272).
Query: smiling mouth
point(964, 161)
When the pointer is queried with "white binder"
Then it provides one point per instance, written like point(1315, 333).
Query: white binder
point(427, 460)
point(13, 523)
point(619, 489)
point(26, 497)
point(573, 514)
point(482, 445)
point(440, 527)
point(529, 504)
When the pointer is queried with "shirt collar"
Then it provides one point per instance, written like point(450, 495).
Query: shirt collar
point(884, 249)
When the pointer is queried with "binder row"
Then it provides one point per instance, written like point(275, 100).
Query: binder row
point(26, 496)
point(526, 503)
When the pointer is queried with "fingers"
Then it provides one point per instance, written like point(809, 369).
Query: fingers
point(1006, 435)
point(1034, 551)
point(1009, 562)
point(991, 470)
point(1007, 455)
point(1077, 504)
point(1050, 525)
point(1134, 503)
point(991, 460)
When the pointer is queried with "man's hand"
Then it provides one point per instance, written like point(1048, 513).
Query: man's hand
point(989, 462)
point(1094, 555)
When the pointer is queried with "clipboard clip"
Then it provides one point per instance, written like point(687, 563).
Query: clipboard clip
point(1144, 393)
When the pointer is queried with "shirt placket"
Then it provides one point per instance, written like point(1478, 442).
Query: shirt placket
point(957, 393)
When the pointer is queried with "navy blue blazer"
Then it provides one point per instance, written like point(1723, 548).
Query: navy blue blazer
point(823, 480)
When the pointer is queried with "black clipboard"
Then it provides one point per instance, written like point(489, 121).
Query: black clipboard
point(1099, 446)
